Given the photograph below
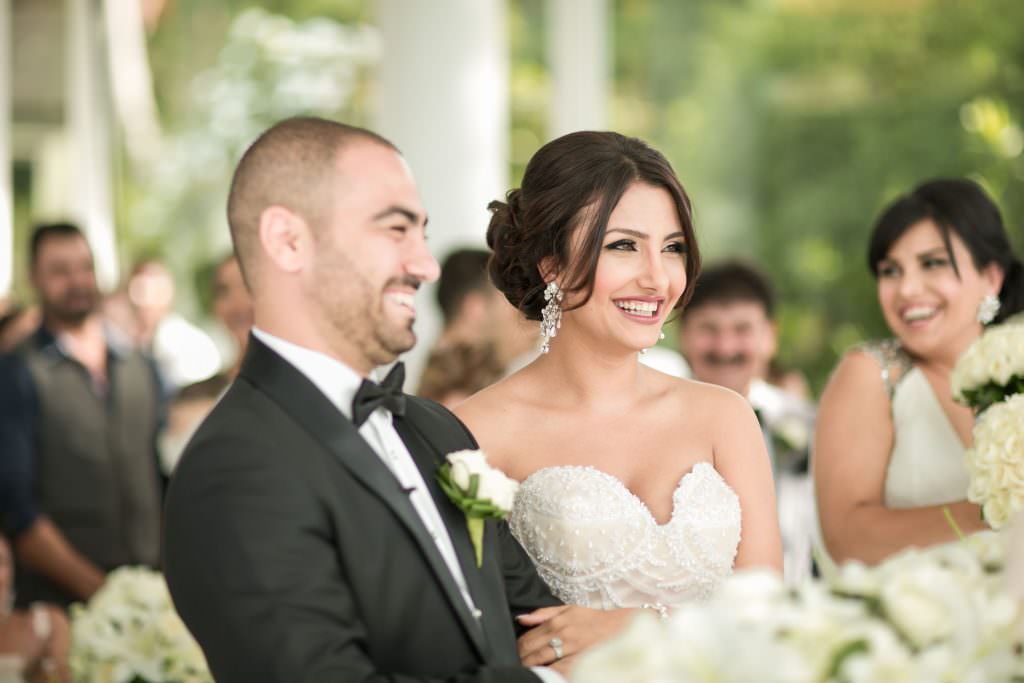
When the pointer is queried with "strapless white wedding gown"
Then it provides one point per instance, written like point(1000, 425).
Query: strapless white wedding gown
point(596, 544)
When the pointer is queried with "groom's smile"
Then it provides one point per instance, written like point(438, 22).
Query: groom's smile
point(399, 300)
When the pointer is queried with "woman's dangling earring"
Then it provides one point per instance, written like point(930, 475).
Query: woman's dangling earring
point(988, 309)
point(550, 315)
point(661, 335)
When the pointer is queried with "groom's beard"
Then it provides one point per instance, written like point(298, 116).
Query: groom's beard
point(353, 306)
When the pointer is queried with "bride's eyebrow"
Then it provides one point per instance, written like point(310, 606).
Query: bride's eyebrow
point(631, 233)
point(643, 235)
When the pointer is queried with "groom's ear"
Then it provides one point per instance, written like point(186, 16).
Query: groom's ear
point(285, 237)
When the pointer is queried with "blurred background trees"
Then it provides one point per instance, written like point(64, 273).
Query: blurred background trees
point(791, 122)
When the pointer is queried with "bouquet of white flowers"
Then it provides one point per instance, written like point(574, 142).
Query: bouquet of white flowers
point(989, 378)
point(932, 616)
point(992, 368)
point(129, 633)
point(996, 461)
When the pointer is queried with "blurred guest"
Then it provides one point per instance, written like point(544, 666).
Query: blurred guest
point(183, 352)
point(476, 313)
point(791, 381)
point(728, 334)
point(889, 449)
point(79, 490)
point(34, 643)
point(454, 373)
point(233, 307)
point(185, 413)
point(16, 323)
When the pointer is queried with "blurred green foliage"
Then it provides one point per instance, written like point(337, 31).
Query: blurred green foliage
point(790, 122)
point(224, 72)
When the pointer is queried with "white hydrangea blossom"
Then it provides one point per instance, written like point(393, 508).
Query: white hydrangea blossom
point(996, 461)
point(924, 616)
point(130, 631)
point(996, 357)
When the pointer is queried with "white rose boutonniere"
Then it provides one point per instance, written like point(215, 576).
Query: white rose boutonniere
point(479, 490)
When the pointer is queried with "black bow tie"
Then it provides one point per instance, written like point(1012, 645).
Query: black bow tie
point(372, 395)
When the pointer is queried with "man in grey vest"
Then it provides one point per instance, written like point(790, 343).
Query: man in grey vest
point(79, 489)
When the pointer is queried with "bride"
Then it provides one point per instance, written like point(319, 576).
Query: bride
point(639, 490)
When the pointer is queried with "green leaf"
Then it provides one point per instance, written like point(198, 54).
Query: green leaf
point(840, 656)
point(476, 535)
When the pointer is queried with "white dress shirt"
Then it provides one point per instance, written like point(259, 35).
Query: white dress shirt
point(339, 384)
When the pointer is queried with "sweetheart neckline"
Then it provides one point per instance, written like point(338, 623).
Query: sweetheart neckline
point(622, 485)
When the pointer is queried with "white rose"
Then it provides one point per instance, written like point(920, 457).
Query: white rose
point(749, 586)
point(996, 460)
point(925, 602)
point(492, 484)
point(497, 488)
point(994, 357)
point(886, 659)
point(793, 431)
point(989, 547)
point(464, 465)
point(641, 653)
point(856, 578)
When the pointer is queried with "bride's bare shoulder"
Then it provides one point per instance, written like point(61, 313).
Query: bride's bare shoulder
point(498, 419)
point(707, 399)
point(492, 406)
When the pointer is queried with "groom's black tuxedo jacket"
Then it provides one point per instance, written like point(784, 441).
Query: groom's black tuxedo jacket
point(293, 554)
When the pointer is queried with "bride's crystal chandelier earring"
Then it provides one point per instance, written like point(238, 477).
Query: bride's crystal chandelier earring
point(988, 309)
point(550, 315)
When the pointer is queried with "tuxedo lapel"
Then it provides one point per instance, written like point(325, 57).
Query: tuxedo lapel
point(429, 456)
point(428, 459)
point(298, 397)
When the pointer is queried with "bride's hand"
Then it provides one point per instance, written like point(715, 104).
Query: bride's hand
point(575, 628)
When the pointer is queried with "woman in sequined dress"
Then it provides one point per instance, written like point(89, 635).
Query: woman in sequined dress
point(889, 448)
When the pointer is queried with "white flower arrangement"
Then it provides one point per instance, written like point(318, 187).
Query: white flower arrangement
point(996, 461)
point(991, 368)
point(129, 633)
point(989, 377)
point(479, 490)
point(934, 615)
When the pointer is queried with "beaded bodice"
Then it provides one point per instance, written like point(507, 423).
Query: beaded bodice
point(596, 544)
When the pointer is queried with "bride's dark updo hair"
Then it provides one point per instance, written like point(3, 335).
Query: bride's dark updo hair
point(576, 179)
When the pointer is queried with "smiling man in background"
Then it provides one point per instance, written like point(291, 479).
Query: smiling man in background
point(729, 337)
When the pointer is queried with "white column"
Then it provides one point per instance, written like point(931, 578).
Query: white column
point(443, 100)
point(131, 80)
point(6, 190)
point(578, 39)
point(88, 120)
